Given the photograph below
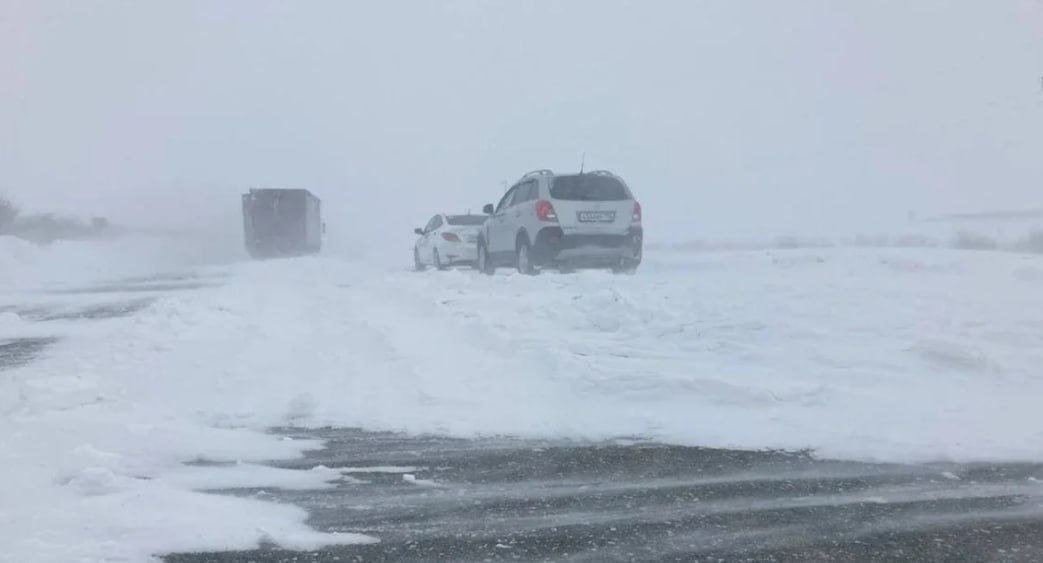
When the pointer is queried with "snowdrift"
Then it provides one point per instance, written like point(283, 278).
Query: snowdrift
point(25, 265)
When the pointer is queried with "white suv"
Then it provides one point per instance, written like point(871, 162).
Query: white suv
point(563, 221)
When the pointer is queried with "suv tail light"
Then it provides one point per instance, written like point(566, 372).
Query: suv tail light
point(451, 237)
point(637, 214)
point(545, 211)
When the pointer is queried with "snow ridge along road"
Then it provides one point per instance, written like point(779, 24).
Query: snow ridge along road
point(888, 355)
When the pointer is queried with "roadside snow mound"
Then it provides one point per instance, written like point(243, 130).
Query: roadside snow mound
point(30, 266)
point(16, 255)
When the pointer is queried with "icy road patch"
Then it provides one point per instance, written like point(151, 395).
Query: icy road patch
point(908, 355)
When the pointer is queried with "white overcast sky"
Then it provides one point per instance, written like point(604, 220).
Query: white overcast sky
point(727, 118)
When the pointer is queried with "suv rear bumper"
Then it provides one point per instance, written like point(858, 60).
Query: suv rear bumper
point(552, 246)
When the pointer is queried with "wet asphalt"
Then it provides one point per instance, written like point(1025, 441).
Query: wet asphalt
point(130, 296)
point(20, 351)
point(441, 499)
point(431, 498)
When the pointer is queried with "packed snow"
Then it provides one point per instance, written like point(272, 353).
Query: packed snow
point(110, 438)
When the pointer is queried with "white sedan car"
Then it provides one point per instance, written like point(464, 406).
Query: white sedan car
point(447, 240)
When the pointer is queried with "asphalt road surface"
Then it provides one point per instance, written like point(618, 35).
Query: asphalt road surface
point(432, 498)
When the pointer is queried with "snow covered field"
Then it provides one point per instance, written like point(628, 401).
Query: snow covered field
point(875, 354)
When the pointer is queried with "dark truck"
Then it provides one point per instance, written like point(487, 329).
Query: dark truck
point(280, 223)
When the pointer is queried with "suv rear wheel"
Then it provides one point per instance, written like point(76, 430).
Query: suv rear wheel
point(523, 259)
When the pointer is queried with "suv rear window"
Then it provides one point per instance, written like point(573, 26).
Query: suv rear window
point(466, 220)
point(588, 187)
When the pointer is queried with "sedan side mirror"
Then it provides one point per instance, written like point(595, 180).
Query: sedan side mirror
point(488, 209)
point(419, 231)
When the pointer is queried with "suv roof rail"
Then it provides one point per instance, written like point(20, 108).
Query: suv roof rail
point(543, 172)
point(601, 173)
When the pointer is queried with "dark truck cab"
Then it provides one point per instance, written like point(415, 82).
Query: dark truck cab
point(278, 223)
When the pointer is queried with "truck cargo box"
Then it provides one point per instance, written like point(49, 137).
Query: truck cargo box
point(279, 223)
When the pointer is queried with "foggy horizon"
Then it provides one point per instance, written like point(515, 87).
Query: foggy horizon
point(726, 119)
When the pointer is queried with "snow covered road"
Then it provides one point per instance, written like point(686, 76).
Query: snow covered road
point(887, 355)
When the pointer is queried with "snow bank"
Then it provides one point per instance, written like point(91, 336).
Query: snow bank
point(15, 255)
point(893, 354)
point(26, 265)
point(93, 447)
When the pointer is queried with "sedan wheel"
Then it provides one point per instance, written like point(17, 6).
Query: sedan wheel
point(626, 266)
point(417, 264)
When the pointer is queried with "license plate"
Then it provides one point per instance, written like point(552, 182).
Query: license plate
point(596, 216)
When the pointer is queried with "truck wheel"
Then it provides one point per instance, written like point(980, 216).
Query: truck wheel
point(417, 264)
point(485, 264)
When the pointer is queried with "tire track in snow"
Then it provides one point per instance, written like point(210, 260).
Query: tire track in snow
point(468, 380)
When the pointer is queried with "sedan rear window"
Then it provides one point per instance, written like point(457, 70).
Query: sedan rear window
point(588, 187)
point(466, 220)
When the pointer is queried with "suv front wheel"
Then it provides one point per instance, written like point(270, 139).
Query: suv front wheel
point(484, 263)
